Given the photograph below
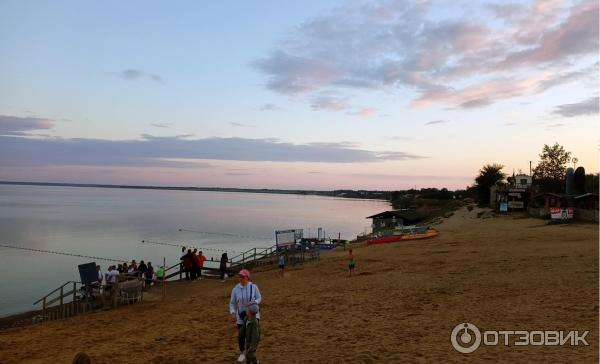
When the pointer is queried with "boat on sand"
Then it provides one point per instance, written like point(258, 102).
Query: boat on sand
point(406, 233)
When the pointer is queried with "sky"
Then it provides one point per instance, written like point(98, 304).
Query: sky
point(304, 95)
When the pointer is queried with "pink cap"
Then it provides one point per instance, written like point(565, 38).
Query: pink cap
point(244, 273)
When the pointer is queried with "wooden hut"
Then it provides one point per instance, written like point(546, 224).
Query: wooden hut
point(389, 220)
point(541, 203)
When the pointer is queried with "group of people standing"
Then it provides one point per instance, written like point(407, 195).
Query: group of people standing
point(142, 270)
point(192, 263)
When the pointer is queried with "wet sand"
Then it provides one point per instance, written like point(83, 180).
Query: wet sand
point(503, 273)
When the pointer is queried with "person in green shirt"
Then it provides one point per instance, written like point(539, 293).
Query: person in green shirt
point(251, 330)
point(160, 273)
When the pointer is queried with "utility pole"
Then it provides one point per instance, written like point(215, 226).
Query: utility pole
point(529, 168)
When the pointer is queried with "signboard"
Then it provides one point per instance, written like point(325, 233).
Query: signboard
point(287, 237)
point(561, 214)
point(88, 273)
point(516, 204)
point(503, 207)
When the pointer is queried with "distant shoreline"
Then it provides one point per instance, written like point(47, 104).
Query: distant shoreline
point(359, 194)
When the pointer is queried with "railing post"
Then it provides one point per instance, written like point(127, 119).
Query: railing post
point(61, 302)
point(73, 303)
point(44, 309)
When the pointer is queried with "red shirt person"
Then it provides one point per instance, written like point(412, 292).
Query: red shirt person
point(200, 259)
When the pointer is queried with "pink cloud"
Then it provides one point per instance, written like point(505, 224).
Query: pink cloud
point(481, 94)
point(365, 112)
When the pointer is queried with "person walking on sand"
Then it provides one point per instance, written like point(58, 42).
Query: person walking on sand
point(223, 266)
point(281, 264)
point(351, 263)
point(243, 294)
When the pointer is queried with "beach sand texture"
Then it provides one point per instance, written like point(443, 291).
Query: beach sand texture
point(503, 273)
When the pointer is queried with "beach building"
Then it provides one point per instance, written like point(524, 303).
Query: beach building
point(541, 204)
point(513, 196)
point(522, 181)
point(389, 220)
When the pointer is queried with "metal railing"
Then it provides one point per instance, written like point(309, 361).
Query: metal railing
point(251, 258)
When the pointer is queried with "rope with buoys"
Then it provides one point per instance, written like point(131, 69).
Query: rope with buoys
point(226, 234)
point(61, 253)
point(186, 246)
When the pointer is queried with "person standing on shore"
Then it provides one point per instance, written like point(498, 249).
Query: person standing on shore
point(160, 273)
point(243, 294)
point(351, 263)
point(194, 268)
point(223, 266)
point(200, 259)
point(281, 264)
point(142, 268)
point(100, 275)
point(187, 264)
point(149, 275)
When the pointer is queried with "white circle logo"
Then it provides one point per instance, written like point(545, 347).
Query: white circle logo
point(463, 341)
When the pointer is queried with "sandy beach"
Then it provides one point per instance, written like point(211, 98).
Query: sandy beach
point(502, 273)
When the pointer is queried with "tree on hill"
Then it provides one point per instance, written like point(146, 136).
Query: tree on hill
point(489, 174)
point(549, 174)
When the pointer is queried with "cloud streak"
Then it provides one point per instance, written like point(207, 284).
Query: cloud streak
point(269, 107)
point(179, 152)
point(241, 125)
point(15, 125)
point(162, 125)
point(585, 107)
point(132, 74)
point(435, 122)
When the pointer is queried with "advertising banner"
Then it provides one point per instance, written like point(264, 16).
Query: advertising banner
point(561, 214)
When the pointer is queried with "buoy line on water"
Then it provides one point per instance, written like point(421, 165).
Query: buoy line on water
point(227, 234)
point(187, 246)
point(61, 253)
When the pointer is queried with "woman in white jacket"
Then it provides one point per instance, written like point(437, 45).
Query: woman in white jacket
point(242, 295)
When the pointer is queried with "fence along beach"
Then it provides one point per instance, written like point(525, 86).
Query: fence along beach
point(401, 305)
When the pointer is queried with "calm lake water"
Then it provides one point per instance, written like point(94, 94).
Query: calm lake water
point(111, 223)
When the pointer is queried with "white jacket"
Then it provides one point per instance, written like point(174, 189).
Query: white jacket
point(241, 296)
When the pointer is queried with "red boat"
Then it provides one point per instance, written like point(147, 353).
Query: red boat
point(385, 239)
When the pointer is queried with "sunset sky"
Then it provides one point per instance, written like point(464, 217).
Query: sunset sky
point(296, 94)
